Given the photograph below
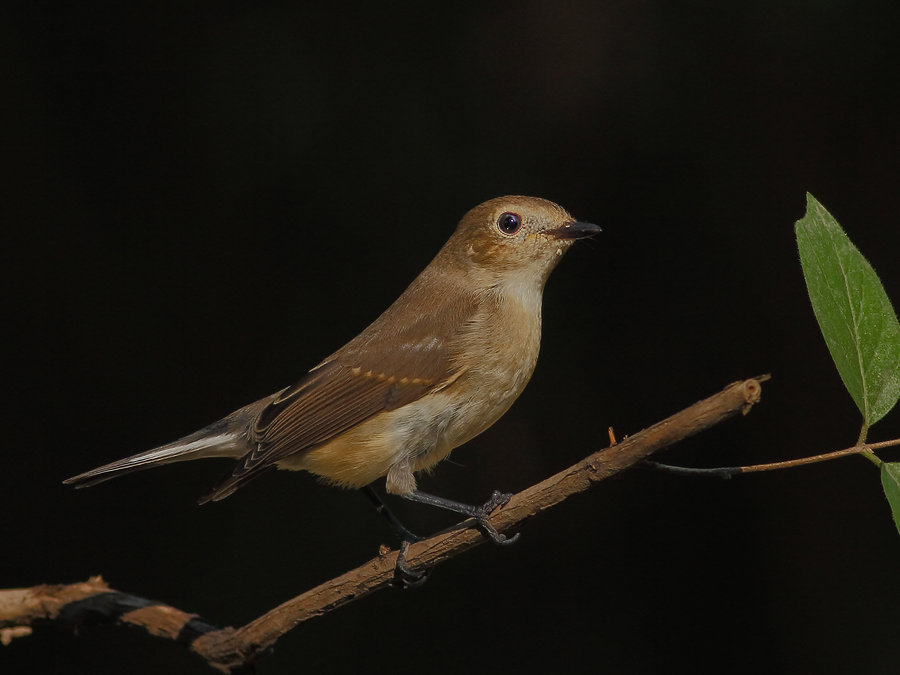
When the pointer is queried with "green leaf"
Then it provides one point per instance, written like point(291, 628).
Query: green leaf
point(890, 481)
point(853, 311)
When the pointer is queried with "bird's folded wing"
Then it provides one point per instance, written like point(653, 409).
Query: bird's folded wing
point(329, 400)
point(370, 375)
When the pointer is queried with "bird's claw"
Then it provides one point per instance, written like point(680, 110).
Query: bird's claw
point(403, 576)
point(497, 500)
point(496, 537)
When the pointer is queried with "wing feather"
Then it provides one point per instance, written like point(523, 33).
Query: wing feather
point(386, 367)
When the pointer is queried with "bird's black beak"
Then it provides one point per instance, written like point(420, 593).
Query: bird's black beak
point(576, 230)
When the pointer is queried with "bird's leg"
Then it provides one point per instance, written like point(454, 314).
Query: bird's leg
point(399, 528)
point(479, 513)
point(403, 576)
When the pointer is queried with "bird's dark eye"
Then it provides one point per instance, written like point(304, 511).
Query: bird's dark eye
point(509, 223)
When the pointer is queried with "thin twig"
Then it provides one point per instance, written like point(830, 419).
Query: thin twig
point(232, 650)
point(729, 471)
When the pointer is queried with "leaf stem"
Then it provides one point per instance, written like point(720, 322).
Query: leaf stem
point(868, 454)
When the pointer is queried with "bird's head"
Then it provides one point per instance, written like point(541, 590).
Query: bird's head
point(516, 235)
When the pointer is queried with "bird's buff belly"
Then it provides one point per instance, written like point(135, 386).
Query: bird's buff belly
point(399, 442)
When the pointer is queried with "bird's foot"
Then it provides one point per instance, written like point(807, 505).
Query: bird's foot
point(403, 576)
point(497, 500)
point(479, 514)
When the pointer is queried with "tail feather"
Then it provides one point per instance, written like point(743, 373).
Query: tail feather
point(231, 484)
point(222, 439)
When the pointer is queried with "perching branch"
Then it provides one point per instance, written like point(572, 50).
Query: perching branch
point(232, 650)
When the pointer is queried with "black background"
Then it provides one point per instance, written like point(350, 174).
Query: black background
point(205, 201)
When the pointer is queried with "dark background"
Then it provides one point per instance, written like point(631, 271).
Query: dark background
point(203, 202)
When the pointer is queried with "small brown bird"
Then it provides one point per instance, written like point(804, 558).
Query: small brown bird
point(441, 365)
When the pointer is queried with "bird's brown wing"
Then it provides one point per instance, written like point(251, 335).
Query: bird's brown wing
point(386, 367)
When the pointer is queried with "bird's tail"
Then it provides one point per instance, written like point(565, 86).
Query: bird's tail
point(225, 438)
